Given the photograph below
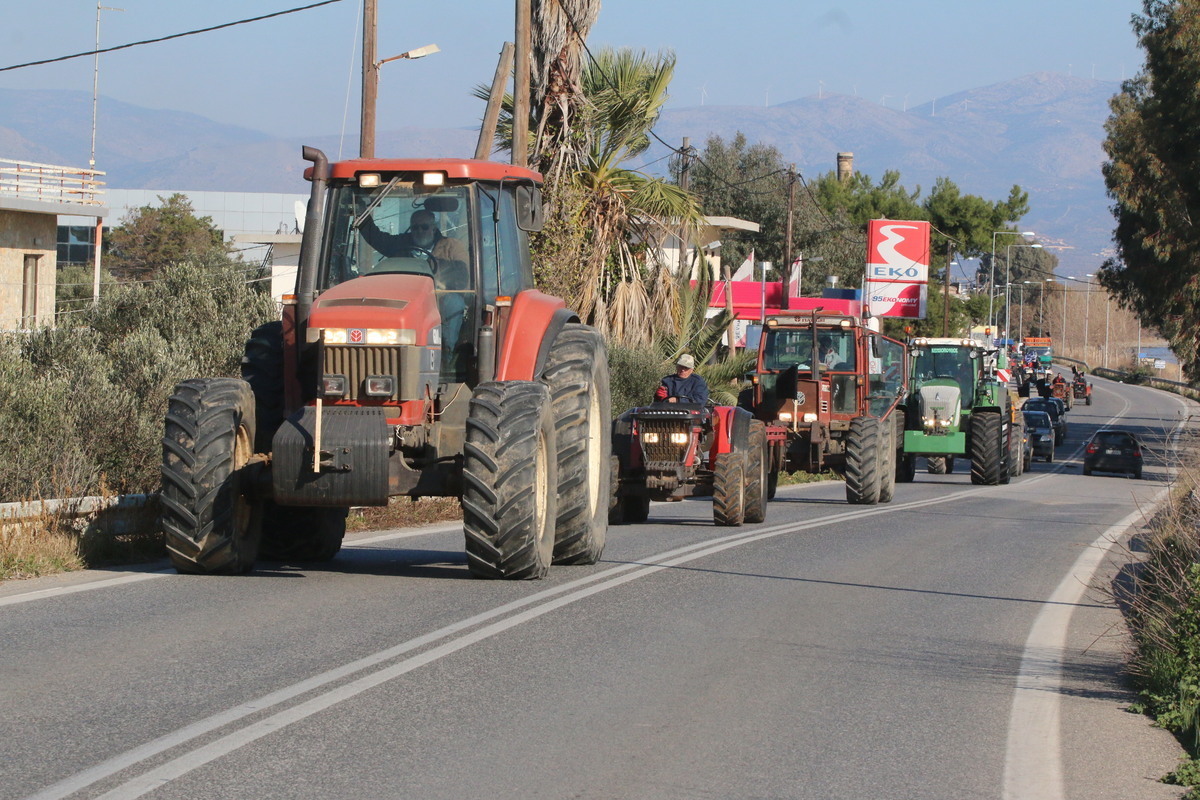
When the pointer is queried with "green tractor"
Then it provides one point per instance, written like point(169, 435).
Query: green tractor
point(959, 407)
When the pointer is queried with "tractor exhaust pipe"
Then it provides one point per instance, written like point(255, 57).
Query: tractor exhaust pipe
point(310, 244)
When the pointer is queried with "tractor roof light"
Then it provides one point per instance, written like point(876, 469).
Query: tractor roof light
point(368, 180)
point(433, 179)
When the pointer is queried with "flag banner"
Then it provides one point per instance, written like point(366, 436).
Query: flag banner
point(746, 271)
point(795, 275)
point(897, 268)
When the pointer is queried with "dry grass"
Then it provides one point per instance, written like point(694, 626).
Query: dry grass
point(404, 512)
point(41, 546)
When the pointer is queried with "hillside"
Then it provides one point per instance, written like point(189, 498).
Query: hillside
point(1041, 131)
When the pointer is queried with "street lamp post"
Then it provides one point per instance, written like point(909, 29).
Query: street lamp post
point(1008, 275)
point(992, 280)
point(1042, 305)
point(1087, 309)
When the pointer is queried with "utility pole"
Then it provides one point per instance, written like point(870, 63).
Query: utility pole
point(491, 116)
point(786, 272)
point(520, 147)
point(370, 79)
point(97, 239)
point(685, 172)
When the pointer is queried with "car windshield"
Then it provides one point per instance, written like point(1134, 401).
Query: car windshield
point(1037, 419)
point(1043, 405)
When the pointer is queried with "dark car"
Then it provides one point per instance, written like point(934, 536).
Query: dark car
point(1113, 451)
point(1054, 408)
point(1039, 429)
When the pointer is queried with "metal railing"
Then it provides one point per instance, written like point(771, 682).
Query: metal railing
point(49, 183)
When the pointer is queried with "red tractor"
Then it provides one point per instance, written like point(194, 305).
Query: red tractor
point(668, 451)
point(1081, 389)
point(827, 388)
point(415, 358)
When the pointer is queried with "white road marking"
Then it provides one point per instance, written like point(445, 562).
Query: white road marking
point(1033, 756)
point(346, 687)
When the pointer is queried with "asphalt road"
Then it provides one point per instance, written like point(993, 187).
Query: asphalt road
point(940, 646)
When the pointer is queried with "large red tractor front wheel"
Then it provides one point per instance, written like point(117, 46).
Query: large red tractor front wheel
point(510, 477)
point(209, 520)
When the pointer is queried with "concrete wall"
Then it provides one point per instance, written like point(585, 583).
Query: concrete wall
point(24, 233)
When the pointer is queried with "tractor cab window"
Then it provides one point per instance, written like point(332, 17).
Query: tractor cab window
point(946, 362)
point(400, 227)
point(788, 348)
point(886, 373)
point(504, 248)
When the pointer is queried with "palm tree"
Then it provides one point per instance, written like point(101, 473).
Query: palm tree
point(600, 249)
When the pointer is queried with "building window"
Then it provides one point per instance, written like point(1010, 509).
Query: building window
point(75, 243)
point(29, 287)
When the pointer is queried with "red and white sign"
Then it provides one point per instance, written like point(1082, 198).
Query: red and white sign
point(897, 268)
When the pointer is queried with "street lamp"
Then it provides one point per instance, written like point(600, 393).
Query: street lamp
point(1008, 274)
point(992, 280)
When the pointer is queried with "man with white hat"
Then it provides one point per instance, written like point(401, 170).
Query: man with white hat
point(685, 386)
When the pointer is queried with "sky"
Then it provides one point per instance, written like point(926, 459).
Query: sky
point(298, 74)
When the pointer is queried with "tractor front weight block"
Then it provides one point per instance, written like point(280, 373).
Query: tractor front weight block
point(355, 444)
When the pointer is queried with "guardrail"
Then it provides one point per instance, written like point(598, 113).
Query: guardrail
point(50, 183)
point(121, 515)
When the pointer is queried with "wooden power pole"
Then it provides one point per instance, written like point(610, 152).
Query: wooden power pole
point(685, 180)
point(370, 79)
point(491, 116)
point(520, 145)
point(786, 272)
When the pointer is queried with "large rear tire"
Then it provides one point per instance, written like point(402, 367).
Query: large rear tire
point(577, 372)
point(1016, 441)
point(729, 489)
point(262, 368)
point(510, 472)
point(302, 533)
point(209, 521)
point(887, 466)
point(987, 449)
point(862, 461)
point(757, 486)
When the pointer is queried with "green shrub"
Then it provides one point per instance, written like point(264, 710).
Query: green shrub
point(81, 405)
point(634, 375)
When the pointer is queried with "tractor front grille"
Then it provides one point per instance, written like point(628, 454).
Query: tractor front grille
point(663, 449)
point(356, 362)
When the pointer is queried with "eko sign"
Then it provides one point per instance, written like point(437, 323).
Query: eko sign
point(897, 268)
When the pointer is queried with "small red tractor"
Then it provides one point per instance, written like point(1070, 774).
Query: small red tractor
point(416, 358)
point(1081, 389)
point(827, 387)
point(668, 451)
point(1063, 391)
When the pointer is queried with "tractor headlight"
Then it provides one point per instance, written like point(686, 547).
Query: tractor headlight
point(381, 385)
point(650, 438)
point(810, 417)
point(391, 336)
point(929, 423)
point(785, 416)
point(679, 438)
point(332, 335)
point(333, 385)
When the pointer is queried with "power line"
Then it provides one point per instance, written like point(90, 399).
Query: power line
point(168, 38)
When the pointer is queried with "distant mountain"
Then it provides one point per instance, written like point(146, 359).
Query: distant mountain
point(1041, 131)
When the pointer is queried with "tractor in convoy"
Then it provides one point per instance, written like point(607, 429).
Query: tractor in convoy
point(958, 407)
point(668, 451)
point(1081, 389)
point(415, 358)
point(827, 387)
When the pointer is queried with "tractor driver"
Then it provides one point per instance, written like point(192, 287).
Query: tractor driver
point(685, 386)
point(421, 240)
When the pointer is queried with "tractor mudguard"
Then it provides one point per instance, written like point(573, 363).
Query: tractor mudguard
point(731, 426)
point(354, 458)
point(561, 317)
point(525, 335)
